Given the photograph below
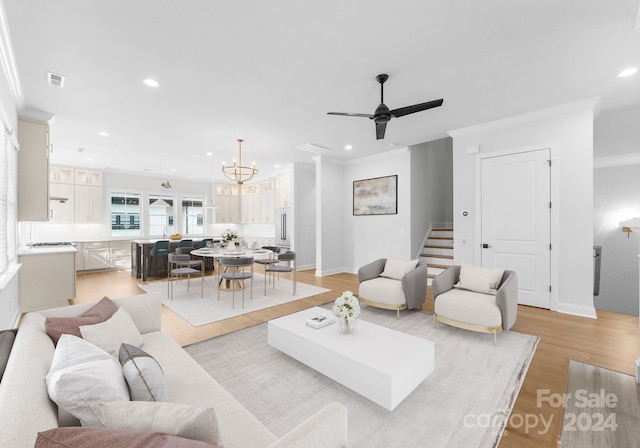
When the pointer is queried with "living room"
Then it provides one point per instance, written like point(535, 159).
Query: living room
point(588, 126)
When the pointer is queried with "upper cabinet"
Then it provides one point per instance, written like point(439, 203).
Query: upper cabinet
point(33, 169)
point(75, 194)
point(283, 190)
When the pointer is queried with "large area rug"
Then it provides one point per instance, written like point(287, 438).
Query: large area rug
point(197, 311)
point(464, 403)
point(603, 408)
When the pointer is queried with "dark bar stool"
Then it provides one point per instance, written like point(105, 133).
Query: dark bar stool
point(159, 251)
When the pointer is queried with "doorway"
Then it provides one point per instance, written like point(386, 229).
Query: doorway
point(516, 221)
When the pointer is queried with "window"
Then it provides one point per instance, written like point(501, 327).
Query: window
point(125, 214)
point(193, 215)
point(161, 215)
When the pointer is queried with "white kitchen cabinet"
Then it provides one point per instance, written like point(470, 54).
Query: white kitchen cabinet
point(228, 210)
point(89, 206)
point(283, 190)
point(95, 255)
point(267, 207)
point(88, 177)
point(61, 174)
point(33, 170)
point(61, 202)
point(120, 254)
point(47, 278)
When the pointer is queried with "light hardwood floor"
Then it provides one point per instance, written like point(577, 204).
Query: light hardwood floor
point(611, 341)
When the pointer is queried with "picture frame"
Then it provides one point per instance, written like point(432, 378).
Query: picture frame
point(376, 196)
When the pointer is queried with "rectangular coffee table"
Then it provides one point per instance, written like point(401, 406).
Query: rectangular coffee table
point(380, 364)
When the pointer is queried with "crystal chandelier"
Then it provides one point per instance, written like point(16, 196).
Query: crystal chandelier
point(239, 173)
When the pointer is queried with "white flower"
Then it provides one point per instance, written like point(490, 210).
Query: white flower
point(346, 306)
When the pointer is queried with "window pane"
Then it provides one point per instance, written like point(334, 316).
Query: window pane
point(161, 215)
point(125, 214)
point(193, 215)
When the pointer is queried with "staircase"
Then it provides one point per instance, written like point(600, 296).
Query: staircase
point(437, 250)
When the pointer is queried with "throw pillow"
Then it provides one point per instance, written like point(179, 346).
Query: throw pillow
point(6, 343)
point(143, 374)
point(183, 420)
point(478, 279)
point(57, 326)
point(108, 335)
point(83, 375)
point(397, 269)
point(102, 437)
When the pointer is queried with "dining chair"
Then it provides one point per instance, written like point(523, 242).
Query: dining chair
point(158, 252)
point(233, 271)
point(270, 260)
point(203, 245)
point(290, 258)
point(192, 263)
point(178, 270)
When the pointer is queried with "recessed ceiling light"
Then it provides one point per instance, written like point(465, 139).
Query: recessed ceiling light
point(103, 134)
point(209, 154)
point(151, 82)
point(276, 166)
point(173, 170)
point(627, 72)
point(348, 147)
point(89, 159)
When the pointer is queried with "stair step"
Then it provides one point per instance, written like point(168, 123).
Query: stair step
point(437, 266)
point(448, 238)
point(442, 229)
point(435, 246)
point(446, 257)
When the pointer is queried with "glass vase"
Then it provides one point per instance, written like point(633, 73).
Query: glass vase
point(347, 326)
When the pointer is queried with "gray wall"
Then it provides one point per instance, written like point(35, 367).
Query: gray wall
point(616, 199)
point(431, 188)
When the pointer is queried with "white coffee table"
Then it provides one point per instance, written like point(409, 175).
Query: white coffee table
point(380, 364)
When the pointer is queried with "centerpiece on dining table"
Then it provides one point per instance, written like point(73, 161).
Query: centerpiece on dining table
point(346, 309)
point(230, 237)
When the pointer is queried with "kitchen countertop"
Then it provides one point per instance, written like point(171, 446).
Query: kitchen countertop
point(45, 250)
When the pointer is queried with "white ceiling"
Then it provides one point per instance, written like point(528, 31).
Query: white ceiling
point(269, 71)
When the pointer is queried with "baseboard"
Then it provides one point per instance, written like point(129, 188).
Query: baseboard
point(321, 273)
point(577, 310)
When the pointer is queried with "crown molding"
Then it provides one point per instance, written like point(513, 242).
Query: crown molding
point(613, 161)
point(8, 60)
point(380, 155)
point(589, 103)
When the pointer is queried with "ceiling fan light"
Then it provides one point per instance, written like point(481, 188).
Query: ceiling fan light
point(628, 72)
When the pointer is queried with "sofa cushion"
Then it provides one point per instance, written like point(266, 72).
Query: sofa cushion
point(396, 269)
point(382, 290)
point(102, 437)
point(6, 343)
point(83, 375)
point(143, 374)
point(184, 420)
point(113, 332)
point(469, 307)
point(57, 326)
point(479, 279)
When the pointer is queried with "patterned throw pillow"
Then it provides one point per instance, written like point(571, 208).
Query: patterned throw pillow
point(143, 374)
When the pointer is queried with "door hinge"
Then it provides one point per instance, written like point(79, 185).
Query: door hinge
point(549, 204)
point(549, 162)
point(549, 246)
point(549, 288)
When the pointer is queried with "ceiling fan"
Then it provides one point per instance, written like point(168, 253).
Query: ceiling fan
point(382, 115)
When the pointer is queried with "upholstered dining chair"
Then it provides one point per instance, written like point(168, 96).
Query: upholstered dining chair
point(158, 253)
point(233, 270)
point(270, 260)
point(178, 270)
point(191, 262)
point(290, 258)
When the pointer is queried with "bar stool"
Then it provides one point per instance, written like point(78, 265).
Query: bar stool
point(160, 250)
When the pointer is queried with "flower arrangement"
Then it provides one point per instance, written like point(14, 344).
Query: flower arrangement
point(229, 235)
point(346, 309)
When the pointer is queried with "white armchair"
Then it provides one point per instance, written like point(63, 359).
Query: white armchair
point(393, 284)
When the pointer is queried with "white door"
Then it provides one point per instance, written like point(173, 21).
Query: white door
point(516, 221)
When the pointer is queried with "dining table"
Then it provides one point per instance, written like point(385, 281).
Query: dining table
point(217, 252)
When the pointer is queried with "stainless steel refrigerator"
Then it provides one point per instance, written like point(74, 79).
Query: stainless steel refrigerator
point(283, 228)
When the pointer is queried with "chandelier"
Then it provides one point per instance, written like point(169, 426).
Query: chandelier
point(239, 173)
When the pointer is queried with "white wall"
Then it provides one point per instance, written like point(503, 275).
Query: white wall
point(570, 128)
point(330, 200)
point(303, 182)
point(616, 190)
point(367, 238)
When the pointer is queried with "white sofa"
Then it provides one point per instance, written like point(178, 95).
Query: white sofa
point(25, 407)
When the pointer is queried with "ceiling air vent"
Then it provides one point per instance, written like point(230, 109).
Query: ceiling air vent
point(55, 80)
point(313, 148)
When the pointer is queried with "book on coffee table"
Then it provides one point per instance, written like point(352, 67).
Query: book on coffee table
point(320, 321)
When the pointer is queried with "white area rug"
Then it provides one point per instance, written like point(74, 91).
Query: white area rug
point(474, 383)
point(197, 311)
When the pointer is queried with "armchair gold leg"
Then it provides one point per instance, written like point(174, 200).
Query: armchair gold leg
point(398, 313)
point(434, 320)
point(495, 337)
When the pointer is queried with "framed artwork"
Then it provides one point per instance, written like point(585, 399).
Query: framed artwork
point(377, 196)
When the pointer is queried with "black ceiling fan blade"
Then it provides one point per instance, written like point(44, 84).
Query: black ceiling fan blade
point(380, 130)
point(349, 114)
point(402, 111)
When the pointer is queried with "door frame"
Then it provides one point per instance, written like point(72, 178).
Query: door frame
point(555, 209)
